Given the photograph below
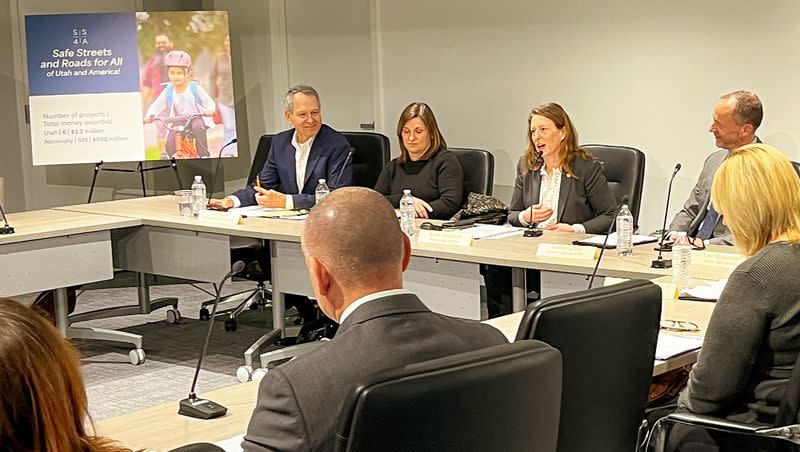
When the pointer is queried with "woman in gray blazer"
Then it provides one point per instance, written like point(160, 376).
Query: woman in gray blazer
point(559, 186)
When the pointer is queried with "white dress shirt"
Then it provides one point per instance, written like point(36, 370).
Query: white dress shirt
point(549, 190)
point(300, 163)
point(371, 297)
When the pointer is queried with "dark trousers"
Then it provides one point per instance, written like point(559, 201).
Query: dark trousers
point(498, 288)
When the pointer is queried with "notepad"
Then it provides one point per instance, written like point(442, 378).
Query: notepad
point(707, 291)
point(671, 345)
point(597, 240)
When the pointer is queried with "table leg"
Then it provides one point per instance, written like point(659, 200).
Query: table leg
point(278, 303)
point(519, 291)
point(62, 319)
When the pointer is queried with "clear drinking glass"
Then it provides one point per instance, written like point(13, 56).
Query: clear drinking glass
point(184, 202)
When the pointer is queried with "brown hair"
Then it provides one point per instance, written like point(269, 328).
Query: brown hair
point(44, 406)
point(758, 192)
point(569, 145)
point(747, 109)
point(422, 111)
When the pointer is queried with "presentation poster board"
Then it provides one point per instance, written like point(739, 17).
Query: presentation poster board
point(127, 87)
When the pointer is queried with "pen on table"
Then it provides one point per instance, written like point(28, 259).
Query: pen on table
point(258, 182)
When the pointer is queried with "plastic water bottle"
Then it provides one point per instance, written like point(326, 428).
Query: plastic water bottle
point(322, 191)
point(407, 214)
point(624, 232)
point(199, 199)
point(681, 259)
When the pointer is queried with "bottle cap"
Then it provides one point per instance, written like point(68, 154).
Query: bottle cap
point(198, 178)
point(322, 181)
point(406, 191)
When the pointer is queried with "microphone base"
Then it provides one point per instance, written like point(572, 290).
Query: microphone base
point(201, 408)
point(661, 263)
point(5, 230)
point(531, 232)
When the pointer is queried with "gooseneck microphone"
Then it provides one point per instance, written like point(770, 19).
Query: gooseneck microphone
point(344, 165)
point(659, 262)
point(625, 199)
point(531, 231)
point(194, 406)
point(219, 160)
point(6, 229)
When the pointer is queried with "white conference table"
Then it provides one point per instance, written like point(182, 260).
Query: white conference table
point(171, 245)
point(56, 249)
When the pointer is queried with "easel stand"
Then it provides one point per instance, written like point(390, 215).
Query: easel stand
point(139, 169)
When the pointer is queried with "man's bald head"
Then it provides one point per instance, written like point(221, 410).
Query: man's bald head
point(354, 232)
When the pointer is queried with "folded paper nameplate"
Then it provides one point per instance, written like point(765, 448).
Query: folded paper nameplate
point(450, 239)
point(729, 260)
point(567, 251)
point(219, 218)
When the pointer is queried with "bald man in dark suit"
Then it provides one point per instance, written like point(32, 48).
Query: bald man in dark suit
point(356, 269)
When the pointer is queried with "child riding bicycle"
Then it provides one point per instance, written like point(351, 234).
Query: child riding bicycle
point(183, 96)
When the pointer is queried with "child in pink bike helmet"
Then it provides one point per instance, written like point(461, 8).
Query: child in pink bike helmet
point(183, 96)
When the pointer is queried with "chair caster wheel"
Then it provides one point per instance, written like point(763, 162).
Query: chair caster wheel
point(173, 316)
point(244, 374)
point(204, 314)
point(258, 374)
point(136, 356)
point(230, 324)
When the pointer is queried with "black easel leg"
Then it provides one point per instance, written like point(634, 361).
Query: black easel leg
point(94, 179)
point(141, 175)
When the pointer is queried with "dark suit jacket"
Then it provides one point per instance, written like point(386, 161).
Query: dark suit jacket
point(300, 402)
point(584, 198)
point(328, 155)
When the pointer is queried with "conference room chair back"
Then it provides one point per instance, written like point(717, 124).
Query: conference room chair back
point(624, 168)
point(737, 435)
point(607, 339)
point(262, 152)
point(478, 167)
point(796, 167)
point(480, 400)
point(371, 152)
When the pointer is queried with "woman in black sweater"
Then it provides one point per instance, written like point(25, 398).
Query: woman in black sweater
point(424, 166)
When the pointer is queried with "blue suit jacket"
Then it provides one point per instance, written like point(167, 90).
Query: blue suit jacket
point(328, 155)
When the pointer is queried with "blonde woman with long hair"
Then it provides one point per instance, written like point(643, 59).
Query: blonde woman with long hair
point(753, 337)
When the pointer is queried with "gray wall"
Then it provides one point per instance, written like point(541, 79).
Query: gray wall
point(642, 74)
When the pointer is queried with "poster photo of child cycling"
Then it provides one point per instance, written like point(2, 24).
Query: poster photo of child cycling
point(186, 85)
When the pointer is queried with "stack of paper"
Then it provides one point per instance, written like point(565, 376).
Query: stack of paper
point(597, 240)
point(670, 345)
point(708, 291)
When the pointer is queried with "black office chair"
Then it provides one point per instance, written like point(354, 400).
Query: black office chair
point(796, 167)
point(371, 152)
point(607, 338)
point(478, 167)
point(624, 168)
point(254, 253)
point(503, 398)
point(783, 435)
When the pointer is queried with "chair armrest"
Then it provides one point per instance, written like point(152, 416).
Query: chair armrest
point(289, 352)
point(703, 420)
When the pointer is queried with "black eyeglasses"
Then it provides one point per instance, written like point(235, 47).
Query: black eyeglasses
point(428, 226)
point(679, 325)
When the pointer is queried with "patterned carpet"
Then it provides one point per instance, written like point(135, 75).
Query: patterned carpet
point(116, 387)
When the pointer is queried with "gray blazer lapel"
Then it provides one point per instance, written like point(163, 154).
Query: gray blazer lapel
point(563, 193)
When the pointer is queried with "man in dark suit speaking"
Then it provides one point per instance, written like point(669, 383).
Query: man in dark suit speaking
point(298, 159)
point(356, 255)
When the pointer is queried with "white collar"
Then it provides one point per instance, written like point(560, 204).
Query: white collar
point(371, 297)
point(302, 147)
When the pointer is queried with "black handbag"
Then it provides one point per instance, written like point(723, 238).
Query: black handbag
point(482, 209)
